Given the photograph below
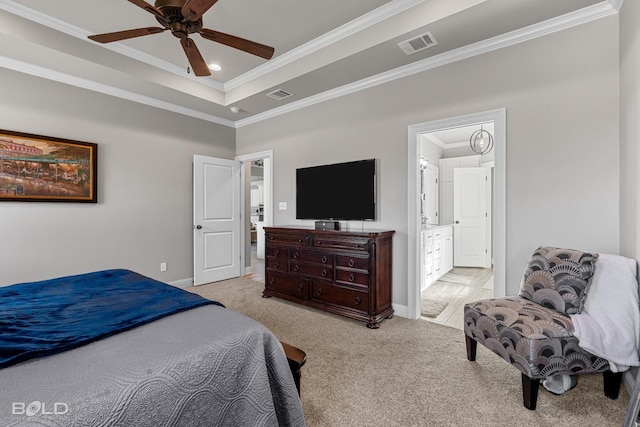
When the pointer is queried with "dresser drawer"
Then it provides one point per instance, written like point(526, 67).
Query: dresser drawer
point(313, 257)
point(331, 294)
point(276, 252)
point(316, 270)
point(352, 277)
point(359, 262)
point(276, 263)
point(353, 243)
point(289, 285)
point(289, 239)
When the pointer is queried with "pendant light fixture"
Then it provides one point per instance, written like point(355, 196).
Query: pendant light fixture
point(481, 141)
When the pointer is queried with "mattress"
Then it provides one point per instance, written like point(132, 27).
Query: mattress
point(207, 366)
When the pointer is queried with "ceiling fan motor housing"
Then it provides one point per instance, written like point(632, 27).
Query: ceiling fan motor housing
point(179, 26)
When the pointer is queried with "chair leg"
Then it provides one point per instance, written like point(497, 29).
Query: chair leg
point(472, 346)
point(530, 392)
point(612, 383)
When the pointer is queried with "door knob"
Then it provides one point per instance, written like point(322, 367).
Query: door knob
point(198, 227)
point(457, 222)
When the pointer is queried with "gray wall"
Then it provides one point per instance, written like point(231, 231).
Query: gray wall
point(629, 128)
point(144, 214)
point(563, 154)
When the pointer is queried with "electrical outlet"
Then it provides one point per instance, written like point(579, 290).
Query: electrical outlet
point(163, 266)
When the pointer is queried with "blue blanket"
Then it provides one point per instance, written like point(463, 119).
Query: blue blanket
point(47, 317)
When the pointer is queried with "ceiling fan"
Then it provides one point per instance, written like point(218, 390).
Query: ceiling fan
point(184, 17)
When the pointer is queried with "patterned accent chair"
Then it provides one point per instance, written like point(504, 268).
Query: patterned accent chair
point(533, 331)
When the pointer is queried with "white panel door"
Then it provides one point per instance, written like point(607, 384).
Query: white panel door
point(430, 177)
point(216, 219)
point(470, 217)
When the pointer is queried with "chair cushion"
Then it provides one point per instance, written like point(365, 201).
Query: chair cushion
point(558, 278)
point(535, 339)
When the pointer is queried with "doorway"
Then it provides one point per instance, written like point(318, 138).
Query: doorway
point(257, 208)
point(416, 134)
point(462, 230)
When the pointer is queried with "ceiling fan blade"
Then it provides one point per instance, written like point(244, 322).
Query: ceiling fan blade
point(146, 6)
point(198, 64)
point(194, 9)
point(245, 45)
point(127, 34)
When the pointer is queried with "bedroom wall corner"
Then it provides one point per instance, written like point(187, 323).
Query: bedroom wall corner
point(144, 212)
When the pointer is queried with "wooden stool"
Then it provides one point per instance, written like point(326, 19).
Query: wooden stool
point(296, 359)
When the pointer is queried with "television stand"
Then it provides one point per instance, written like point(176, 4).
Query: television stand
point(340, 272)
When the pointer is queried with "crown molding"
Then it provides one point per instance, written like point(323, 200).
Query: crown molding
point(588, 14)
point(616, 4)
point(46, 73)
point(375, 16)
point(361, 23)
point(582, 16)
point(79, 33)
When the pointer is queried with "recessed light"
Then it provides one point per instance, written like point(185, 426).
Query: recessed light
point(215, 67)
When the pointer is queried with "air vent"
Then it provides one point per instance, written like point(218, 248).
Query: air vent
point(416, 44)
point(279, 94)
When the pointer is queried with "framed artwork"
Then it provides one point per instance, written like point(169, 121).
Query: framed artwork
point(35, 168)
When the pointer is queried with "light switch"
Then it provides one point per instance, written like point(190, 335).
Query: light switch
point(282, 206)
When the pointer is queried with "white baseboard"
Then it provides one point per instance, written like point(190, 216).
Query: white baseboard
point(400, 310)
point(182, 283)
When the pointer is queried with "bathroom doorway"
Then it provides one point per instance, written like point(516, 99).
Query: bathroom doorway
point(416, 134)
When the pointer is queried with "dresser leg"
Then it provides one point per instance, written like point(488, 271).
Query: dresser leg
point(373, 325)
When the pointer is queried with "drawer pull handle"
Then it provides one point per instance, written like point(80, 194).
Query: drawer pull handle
point(352, 277)
point(299, 240)
point(296, 268)
point(357, 245)
point(318, 242)
point(324, 259)
point(324, 273)
point(352, 262)
point(301, 287)
point(319, 292)
point(277, 252)
point(296, 255)
point(358, 300)
point(272, 281)
point(277, 265)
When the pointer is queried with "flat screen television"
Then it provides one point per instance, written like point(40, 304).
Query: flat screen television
point(340, 191)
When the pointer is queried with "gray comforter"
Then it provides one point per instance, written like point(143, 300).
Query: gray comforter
point(208, 366)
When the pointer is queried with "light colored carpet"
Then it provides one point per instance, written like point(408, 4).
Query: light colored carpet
point(432, 307)
point(408, 372)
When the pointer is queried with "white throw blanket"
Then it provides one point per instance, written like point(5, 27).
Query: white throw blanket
point(609, 325)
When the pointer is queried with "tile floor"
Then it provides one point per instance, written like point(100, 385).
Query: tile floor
point(457, 294)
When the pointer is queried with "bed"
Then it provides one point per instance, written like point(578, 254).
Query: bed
point(187, 362)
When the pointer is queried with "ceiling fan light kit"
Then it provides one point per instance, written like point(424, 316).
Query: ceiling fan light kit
point(182, 18)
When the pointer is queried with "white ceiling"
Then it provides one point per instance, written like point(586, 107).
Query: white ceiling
point(322, 49)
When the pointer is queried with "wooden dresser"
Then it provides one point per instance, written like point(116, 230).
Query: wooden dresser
point(342, 272)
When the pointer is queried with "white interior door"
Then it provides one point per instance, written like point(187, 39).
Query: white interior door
point(432, 196)
point(470, 217)
point(216, 219)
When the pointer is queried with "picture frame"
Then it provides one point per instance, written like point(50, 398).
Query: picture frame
point(36, 168)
